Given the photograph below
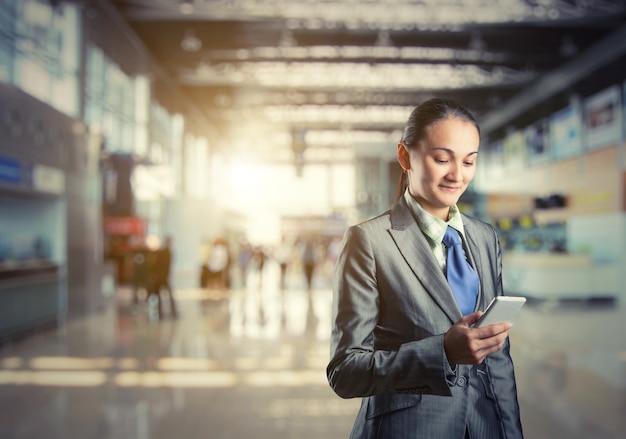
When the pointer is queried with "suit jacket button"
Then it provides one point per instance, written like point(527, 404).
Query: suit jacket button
point(461, 381)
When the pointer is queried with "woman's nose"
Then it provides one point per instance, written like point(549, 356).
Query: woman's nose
point(456, 172)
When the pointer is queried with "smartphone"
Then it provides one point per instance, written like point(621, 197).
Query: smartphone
point(501, 309)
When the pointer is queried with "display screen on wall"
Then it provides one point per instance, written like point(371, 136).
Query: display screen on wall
point(624, 134)
point(565, 133)
point(603, 118)
point(624, 114)
point(515, 151)
point(537, 142)
point(495, 159)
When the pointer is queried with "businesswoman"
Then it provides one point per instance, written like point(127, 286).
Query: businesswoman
point(401, 339)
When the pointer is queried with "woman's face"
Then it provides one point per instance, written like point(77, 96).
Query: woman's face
point(442, 166)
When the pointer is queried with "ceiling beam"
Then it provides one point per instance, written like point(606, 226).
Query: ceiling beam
point(609, 49)
point(452, 15)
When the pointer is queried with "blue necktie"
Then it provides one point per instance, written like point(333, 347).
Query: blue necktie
point(462, 278)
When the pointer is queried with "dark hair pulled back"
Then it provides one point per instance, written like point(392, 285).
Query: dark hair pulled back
point(430, 112)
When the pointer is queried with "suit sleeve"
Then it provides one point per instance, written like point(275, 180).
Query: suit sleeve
point(357, 368)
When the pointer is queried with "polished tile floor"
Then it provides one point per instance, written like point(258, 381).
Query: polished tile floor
point(250, 364)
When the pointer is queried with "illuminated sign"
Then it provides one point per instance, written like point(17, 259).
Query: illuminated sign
point(10, 171)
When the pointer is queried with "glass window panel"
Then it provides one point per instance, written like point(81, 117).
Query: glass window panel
point(6, 65)
point(32, 77)
point(46, 46)
point(7, 40)
point(141, 108)
point(95, 72)
point(64, 95)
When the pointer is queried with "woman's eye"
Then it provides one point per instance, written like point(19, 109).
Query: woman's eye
point(468, 163)
point(441, 161)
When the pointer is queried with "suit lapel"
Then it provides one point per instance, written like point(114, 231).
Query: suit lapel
point(415, 249)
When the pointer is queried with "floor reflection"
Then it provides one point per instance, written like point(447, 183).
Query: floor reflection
point(571, 371)
point(250, 363)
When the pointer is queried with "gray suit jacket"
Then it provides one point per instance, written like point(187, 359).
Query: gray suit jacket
point(392, 306)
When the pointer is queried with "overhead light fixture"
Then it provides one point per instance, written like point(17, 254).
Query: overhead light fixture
point(568, 47)
point(287, 39)
point(477, 42)
point(186, 7)
point(190, 43)
point(383, 39)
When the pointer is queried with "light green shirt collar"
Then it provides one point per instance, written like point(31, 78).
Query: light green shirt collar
point(433, 227)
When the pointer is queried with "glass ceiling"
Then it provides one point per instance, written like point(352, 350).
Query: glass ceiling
point(354, 75)
point(373, 14)
point(256, 117)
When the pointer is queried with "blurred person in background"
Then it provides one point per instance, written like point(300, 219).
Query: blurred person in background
point(283, 254)
point(217, 265)
point(244, 256)
point(162, 268)
point(309, 261)
point(258, 258)
point(400, 339)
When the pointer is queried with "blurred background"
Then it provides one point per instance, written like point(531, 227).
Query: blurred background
point(176, 177)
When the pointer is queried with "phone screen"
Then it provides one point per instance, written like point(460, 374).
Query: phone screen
point(501, 309)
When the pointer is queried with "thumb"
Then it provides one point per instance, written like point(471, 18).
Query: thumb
point(470, 319)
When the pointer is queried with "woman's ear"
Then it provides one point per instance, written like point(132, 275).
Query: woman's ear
point(403, 157)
